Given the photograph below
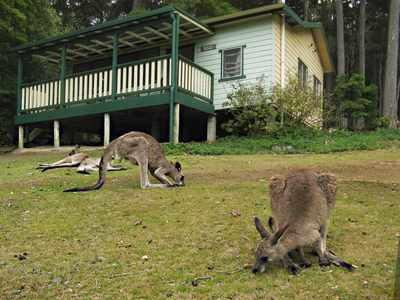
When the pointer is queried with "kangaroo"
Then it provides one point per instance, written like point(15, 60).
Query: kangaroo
point(143, 150)
point(81, 160)
point(301, 204)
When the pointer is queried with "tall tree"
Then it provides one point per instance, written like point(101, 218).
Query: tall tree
point(307, 10)
point(390, 105)
point(341, 64)
point(362, 20)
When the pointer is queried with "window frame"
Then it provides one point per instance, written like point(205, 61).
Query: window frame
point(302, 73)
point(241, 75)
point(317, 87)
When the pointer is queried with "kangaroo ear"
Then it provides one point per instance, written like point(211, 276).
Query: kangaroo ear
point(178, 166)
point(260, 228)
point(277, 235)
point(272, 224)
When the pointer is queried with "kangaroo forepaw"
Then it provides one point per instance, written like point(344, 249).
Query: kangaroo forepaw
point(294, 269)
point(324, 261)
point(305, 264)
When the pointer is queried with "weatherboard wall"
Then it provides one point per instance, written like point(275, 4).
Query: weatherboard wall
point(257, 36)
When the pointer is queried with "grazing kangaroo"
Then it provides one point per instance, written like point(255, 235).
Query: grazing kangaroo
point(143, 150)
point(81, 160)
point(301, 204)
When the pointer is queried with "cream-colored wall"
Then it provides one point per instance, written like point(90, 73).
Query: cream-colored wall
point(299, 43)
point(277, 33)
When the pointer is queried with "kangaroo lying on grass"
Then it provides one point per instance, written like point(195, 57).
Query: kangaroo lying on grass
point(301, 205)
point(81, 160)
point(143, 150)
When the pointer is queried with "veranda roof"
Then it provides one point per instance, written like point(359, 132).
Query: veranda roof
point(147, 30)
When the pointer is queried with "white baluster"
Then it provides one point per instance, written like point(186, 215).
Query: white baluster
point(135, 77)
point(153, 75)
point(158, 74)
point(140, 77)
point(129, 79)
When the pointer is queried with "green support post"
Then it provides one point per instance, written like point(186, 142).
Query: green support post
point(174, 73)
point(114, 66)
point(19, 84)
point(62, 75)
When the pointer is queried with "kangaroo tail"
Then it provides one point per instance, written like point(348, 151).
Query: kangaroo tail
point(102, 175)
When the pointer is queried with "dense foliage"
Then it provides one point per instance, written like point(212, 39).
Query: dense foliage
point(356, 101)
point(293, 141)
point(251, 111)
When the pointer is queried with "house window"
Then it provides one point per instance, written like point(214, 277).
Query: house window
point(303, 74)
point(317, 87)
point(232, 63)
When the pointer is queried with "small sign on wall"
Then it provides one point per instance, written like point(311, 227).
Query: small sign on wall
point(209, 47)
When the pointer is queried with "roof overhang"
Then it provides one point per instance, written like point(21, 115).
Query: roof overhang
point(147, 30)
point(292, 18)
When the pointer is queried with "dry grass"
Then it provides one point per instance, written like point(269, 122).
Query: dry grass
point(91, 245)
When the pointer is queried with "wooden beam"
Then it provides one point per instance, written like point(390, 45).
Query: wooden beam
point(53, 60)
point(90, 48)
point(181, 30)
point(123, 41)
point(138, 36)
point(102, 44)
point(163, 35)
point(77, 53)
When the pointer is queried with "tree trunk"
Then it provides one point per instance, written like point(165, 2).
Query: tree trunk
point(306, 10)
point(362, 38)
point(340, 38)
point(390, 88)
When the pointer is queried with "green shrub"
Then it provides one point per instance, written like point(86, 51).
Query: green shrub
point(251, 110)
point(355, 100)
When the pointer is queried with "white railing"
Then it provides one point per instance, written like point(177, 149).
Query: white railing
point(88, 86)
point(145, 75)
point(40, 95)
point(136, 77)
point(195, 79)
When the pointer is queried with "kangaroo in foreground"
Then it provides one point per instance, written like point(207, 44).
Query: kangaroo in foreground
point(143, 150)
point(81, 160)
point(301, 204)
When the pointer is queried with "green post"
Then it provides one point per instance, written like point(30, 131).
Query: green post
point(62, 75)
point(174, 73)
point(114, 66)
point(212, 88)
point(19, 84)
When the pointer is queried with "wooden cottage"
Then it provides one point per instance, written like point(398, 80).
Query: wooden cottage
point(164, 71)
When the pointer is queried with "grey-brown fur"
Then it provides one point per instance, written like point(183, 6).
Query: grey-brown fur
point(143, 150)
point(82, 161)
point(301, 204)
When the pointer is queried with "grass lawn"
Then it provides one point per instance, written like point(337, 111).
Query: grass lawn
point(91, 245)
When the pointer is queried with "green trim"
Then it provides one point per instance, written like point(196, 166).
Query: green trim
point(291, 13)
point(114, 65)
point(96, 108)
point(174, 73)
point(241, 76)
point(145, 60)
point(194, 95)
point(63, 68)
point(89, 72)
point(19, 83)
point(189, 101)
point(232, 78)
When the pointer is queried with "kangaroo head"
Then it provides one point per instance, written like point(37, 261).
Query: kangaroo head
point(268, 249)
point(75, 150)
point(175, 172)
